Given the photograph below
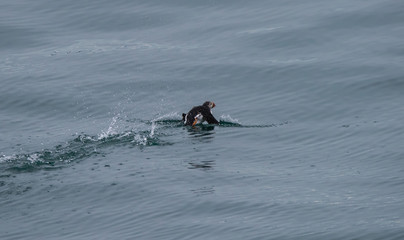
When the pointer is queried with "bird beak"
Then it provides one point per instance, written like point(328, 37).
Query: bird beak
point(213, 105)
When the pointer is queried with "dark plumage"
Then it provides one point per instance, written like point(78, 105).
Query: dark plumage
point(200, 114)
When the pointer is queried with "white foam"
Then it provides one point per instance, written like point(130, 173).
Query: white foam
point(228, 118)
point(140, 139)
point(33, 158)
point(5, 158)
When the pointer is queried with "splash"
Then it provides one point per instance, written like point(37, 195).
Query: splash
point(111, 128)
point(153, 127)
point(140, 139)
point(174, 116)
point(142, 134)
point(156, 121)
point(84, 146)
point(166, 120)
point(5, 158)
point(81, 147)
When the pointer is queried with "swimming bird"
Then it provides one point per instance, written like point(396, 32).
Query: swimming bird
point(200, 114)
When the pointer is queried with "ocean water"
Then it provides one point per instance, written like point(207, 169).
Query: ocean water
point(309, 95)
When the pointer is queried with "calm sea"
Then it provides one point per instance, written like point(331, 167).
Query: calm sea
point(309, 94)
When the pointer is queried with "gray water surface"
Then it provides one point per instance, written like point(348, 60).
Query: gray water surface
point(309, 95)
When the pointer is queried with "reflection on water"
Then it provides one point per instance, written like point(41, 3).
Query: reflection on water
point(204, 190)
point(201, 128)
point(201, 136)
point(204, 133)
point(202, 165)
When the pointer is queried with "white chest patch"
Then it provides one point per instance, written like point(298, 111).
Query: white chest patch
point(199, 118)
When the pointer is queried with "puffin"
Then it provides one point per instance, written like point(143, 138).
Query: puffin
point(200, 114)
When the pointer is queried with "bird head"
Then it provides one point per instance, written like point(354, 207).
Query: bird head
point(209, 104)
